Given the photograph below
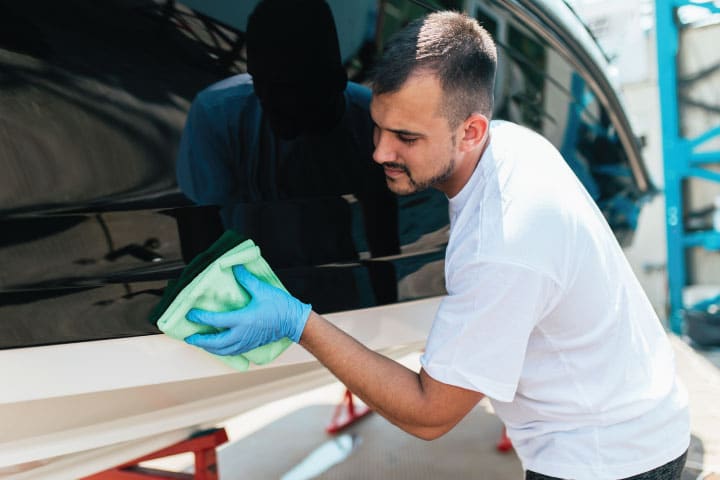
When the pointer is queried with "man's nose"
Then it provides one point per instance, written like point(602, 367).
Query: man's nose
point(384, 151)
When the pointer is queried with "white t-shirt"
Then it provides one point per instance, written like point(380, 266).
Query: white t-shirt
point(545, 316)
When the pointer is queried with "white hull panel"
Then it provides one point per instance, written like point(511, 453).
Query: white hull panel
point(88, 400)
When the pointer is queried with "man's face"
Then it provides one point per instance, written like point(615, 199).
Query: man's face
point(413, 141)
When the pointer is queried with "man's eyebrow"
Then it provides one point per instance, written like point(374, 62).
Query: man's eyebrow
point(400, 131)
point(406, 133)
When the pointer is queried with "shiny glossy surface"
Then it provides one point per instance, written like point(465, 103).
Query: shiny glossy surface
point(93, 102)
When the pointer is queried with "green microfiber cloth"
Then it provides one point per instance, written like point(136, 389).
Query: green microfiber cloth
point(228, 240)
point(208, 283)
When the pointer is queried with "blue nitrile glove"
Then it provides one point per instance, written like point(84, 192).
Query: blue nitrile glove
point(271, 315)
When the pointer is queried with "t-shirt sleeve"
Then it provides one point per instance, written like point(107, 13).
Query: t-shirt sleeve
point(480, 333)
point(203, 162)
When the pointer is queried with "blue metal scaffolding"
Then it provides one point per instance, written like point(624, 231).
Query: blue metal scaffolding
point(681, 158)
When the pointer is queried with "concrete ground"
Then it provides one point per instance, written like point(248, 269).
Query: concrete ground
point(294, 428)
point(286, 439)
point(700, 371)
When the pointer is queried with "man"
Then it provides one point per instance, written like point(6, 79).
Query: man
point(543, 313)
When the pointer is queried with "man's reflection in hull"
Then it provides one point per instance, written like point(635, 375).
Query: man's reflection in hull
point(285, 152)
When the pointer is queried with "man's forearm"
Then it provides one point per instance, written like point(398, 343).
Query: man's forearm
point(412, 401)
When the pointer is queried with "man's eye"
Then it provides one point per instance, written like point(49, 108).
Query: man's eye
point(407, 140)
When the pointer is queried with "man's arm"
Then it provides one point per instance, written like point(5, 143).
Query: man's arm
point(414, 402)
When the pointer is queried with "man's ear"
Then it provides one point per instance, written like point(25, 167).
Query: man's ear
point(474, 132)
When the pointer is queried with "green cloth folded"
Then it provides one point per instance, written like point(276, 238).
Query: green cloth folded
point(208, 283)
point(228, 240)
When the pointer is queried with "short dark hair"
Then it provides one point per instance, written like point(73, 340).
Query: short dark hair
point(453, 47)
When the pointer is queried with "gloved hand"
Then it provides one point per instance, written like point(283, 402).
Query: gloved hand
point(271, 315)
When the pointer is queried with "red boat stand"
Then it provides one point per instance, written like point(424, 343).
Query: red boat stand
point(202, 444)
point(346, 413)
point(504, 445)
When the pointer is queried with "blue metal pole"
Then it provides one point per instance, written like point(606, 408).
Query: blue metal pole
point(674, 157)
